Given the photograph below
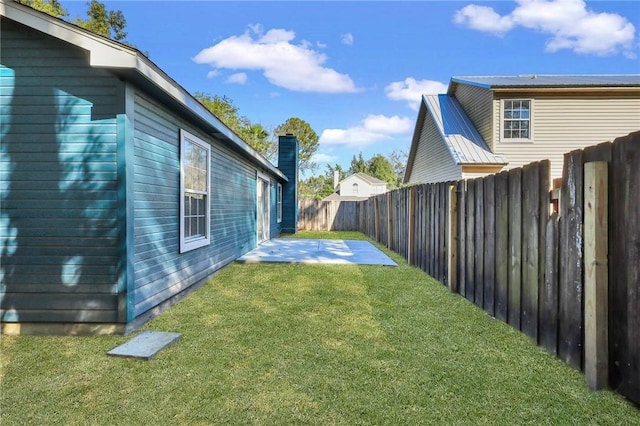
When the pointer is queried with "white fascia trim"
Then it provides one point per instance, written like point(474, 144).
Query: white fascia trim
point(103, 52)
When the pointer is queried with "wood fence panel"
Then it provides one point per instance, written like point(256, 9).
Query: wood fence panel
point(452, 243)
point(489, 244)
point(444, 213)
point(432, 224)
point(419, 225)
point(462, 236)
point(479, 243)
point(530, 249)
point(570, 338)
point(501, 245)
point(436, 231)
point(544, 209)
point(425, 231)
point(515, 247)
point(470, 247)
point(624, 272)
point(549, 293)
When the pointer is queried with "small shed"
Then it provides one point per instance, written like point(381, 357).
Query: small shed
point(120, 192)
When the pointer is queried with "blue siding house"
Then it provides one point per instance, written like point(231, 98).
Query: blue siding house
point(119, 192)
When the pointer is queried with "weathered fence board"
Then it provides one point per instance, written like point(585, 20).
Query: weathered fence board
point(544, 208)
point(489, 244)
point(462, 236)
point(501, 245)
point(478, 228)
point(570, 257)
point(470, 239)
point(549, 294)
point(515, 247)
point(530, 250)
point(624, 271)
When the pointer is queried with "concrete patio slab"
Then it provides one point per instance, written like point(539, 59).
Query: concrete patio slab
point(145, 345)
point(291, 250)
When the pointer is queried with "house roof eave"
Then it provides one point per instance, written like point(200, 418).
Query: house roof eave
point(129, 62)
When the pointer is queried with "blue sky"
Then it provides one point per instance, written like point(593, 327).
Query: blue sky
point(355, 71)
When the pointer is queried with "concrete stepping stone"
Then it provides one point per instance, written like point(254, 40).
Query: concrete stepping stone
point(145, 345)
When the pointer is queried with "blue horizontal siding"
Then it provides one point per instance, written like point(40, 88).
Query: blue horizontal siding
point(161, 271)
point(59, 183)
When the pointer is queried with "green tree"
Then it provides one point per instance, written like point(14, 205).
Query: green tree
point(101, 21)
point(379, 167)
point(105, 22)
point(398, 159)
point(258, 138)
point(51, 7)
point(321, 186)
point(315, 187)
point(254, 134)
point(358, 165)
point(307, 140)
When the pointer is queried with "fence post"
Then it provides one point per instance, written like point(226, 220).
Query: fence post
point(596, 339)
point(452, 243)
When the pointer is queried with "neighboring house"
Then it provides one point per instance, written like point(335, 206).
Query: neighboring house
point(486, 124)
point(358, 186)
point(119, 191)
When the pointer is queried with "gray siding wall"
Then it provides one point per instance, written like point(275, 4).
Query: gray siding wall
point(478, 104)
point(58, 188)
point(160, 270)
point(433, 161)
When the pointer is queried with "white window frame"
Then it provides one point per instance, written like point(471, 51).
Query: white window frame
point(502, 121)
point(279, 203)
point(266, 214)
point(188, 244)
point(355, 188)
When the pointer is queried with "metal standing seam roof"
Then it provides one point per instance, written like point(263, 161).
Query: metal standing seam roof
point(458, 132)
point(557, 81)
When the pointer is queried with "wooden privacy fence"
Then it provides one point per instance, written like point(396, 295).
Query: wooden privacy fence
point(327, 215)
point(556, 276)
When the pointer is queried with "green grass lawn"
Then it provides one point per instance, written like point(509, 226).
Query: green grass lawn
point(307, 344)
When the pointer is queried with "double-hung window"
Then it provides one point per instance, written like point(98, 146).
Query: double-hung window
point(516, 120)
point(195, 188)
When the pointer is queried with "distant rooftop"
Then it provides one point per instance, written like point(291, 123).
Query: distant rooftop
point(541, 80)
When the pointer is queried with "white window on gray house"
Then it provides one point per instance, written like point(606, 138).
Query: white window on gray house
point(195, 184)
point(355, 188)
point(279, 202)
point(516, 120)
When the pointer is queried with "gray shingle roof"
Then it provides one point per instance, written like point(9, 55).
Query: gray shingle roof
point(459, 134)
point(370, 179)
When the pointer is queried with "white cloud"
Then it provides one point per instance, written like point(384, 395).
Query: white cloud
point(411, 90)
point(292, 66)
point(238, 78)
point(373, 128)
point(347, 39)
point(213, 73)
point(324, 158)
point(483, 18)
point(569, 23)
